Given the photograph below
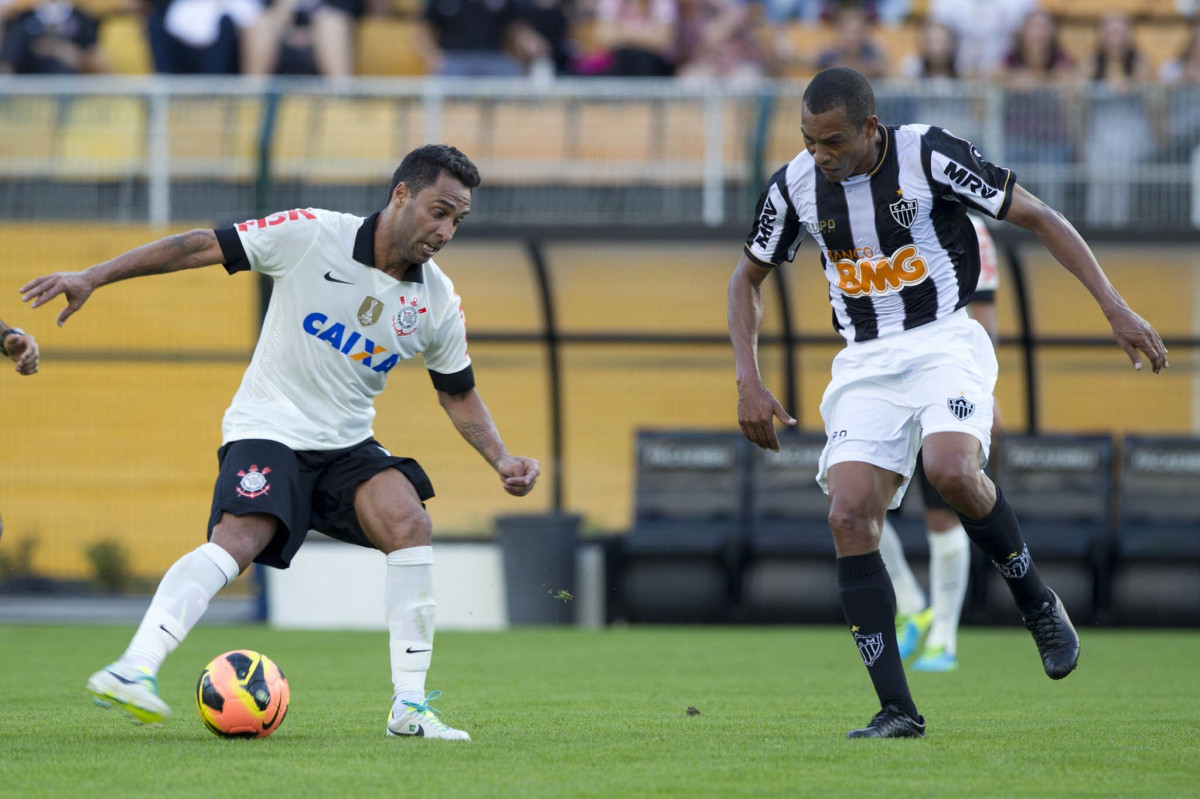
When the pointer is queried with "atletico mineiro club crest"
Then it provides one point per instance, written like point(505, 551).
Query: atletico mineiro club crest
point(404, 321)
point(869, 646)
point(253, 483)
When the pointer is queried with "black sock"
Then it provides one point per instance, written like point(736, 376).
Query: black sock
point(999, 536)
point(869, 603)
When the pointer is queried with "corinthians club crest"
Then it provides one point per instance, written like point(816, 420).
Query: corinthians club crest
point(904, 211)
point(869, 646)
point(961, 407)
point(253, 483)
point(405, 320)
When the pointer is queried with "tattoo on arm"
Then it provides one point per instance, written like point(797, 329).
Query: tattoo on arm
point(480, 436)
point(186, 244)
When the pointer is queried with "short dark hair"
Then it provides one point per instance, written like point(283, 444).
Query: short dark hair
point(841, 87)
point(424, 165)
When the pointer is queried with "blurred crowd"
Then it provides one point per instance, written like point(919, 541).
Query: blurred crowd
point(1011, 41)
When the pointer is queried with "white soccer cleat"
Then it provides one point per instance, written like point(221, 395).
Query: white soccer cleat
point(132, 690)
point(421, 721)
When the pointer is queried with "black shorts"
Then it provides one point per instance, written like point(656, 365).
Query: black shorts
point(305, 490)
point(932, 499)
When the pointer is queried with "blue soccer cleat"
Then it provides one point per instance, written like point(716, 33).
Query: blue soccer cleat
point(910, 630)
point(936, 659)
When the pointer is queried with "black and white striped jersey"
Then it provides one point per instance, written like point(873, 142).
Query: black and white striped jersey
point(896, 244)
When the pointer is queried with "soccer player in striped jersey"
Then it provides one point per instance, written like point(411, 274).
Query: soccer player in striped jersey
point(887, 208)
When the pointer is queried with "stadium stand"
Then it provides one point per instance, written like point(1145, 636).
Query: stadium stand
point(790, 574)
point(1156, 554)
point(1061, 487)
point(680, 557)
point(123, 42)
point(384, 47)
point(102, 138)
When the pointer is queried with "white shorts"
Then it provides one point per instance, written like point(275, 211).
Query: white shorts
point(887, 394)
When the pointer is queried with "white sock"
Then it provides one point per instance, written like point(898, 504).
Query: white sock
point(180, 601)
point(949, 566)
point(910, 598)
point(410, 610)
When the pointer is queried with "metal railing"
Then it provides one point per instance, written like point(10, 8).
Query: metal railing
point(569, 152)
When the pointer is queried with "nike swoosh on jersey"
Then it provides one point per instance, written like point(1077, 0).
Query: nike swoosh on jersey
point(329, 276)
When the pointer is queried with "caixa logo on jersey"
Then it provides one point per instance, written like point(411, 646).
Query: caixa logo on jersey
point(354, 346)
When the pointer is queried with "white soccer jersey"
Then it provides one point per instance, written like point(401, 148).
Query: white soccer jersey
point(895, 243)
point(989, 262)
point(335, 328)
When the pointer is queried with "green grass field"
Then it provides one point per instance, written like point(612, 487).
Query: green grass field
point(568, 713)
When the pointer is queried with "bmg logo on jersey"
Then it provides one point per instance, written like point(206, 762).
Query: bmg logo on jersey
point(905, 267)
point(356, 346)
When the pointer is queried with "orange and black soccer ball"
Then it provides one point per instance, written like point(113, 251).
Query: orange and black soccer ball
point(242, 694)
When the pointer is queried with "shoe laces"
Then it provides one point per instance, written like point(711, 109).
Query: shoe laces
point(1044, 623)
point(428, 711)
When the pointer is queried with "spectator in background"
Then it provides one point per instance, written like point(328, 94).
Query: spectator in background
point(1182, 77)
point(855, 47)
point(984, 28)
point(639, 36)
point(937, 56)
point(470, 38)
point(811, 12)
point(1037, 129)
point(1119, 134)
point(717, 40)
point(303, 37)
point(939, 97)
point(551, 20)
point(52, 38)
point(198, 37)
point(1037, 56)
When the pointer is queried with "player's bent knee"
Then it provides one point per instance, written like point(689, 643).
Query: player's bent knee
point(412, 529)
point(244, 537)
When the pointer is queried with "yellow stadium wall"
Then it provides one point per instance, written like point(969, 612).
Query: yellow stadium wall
point(108, 442)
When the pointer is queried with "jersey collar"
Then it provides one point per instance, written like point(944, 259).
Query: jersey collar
point(364, 251)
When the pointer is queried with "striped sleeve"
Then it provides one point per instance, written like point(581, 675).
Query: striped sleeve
point(955, 167)
point(776, 231)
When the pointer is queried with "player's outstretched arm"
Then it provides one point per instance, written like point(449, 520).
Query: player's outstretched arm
point(20, 348)
point(185, 251)
point(1132, 332)
point(474, 423)
point(757, 406)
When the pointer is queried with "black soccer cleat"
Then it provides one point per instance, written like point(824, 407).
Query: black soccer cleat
point(891, 722)
point(1055, 637)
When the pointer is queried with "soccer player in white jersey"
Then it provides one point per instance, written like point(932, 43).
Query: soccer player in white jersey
point(352, 297)
point(887, 208)
point(938, 613)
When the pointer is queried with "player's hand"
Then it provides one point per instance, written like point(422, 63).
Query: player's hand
point(23, 351)
point(757, 411)
point(518, 473)
point(1136, 336)
point(74, 285)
